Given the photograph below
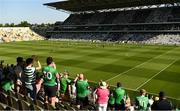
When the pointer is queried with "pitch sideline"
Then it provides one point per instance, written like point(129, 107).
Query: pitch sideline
point(156, 74)
point(139, 65)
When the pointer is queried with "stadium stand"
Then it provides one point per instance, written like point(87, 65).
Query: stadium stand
point(11, 34)
point(118, 23)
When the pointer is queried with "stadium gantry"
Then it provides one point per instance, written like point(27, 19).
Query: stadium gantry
point(93, 5)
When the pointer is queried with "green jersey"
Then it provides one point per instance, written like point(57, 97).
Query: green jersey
point(82, 88)
point(49, 74)
point(111, 99)
point(64, 82)
point(142, 102)
point(7, 85)
point(119, 94)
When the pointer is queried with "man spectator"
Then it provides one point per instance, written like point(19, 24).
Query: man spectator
point(102, 96)
point(142, 101)
point(162, 103)
point(82, 91)
point(19, 73)
point(119, 95)
point(30, 77)
point(50, 76)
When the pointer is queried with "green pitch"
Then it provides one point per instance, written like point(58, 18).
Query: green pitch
point(152, 67)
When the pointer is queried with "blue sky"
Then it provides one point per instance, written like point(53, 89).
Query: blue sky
point(33, 11)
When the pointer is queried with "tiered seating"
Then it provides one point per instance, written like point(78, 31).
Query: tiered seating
point(10, 34)
point(17, 101)
point(129, 25)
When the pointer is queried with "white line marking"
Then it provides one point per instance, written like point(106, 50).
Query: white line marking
point(156, 74)
point(139, 65)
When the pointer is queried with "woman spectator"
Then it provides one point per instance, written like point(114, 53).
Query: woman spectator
point(102, 96)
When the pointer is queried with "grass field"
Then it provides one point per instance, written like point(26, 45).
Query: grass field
point(153, 67)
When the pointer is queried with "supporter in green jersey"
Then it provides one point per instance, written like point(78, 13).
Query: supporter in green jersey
point(111, 101)
point(50, 76)
point(142, 101)
point(82, 91)
point(119, 95)
point(65, 86)
point(7, 85)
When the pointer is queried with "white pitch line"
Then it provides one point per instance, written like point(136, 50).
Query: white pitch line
point(156, 74)
point(139, 65)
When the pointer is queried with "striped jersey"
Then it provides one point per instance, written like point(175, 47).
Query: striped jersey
point(30, 76)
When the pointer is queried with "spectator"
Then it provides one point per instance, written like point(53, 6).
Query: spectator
point(119, 95)
point(65, 86)
point(82, 91)
point(1, 70)
point(7, 85)
point(30, 77)
point(50, 75)
point(142, 101)
point(150, 97)
point(19, 73)
point(111, 101)
point(162, 103)
point(128, 102)
point(73, 90)
point(102, 96)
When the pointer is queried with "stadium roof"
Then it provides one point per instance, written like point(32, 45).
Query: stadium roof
point(92, 5)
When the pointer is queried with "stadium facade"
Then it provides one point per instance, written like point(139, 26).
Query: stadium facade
point(119, 20)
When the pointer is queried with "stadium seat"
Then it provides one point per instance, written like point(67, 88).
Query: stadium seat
point(29, 100)
point(60, 107)
point(49, 107)
point(10, 108)
point(20, 96)
point(13, 102)
point(39, 103)
point(24, 105)
point(35, 107)
point(11, 93)
point(68, 106)
point(3, 97)
point(2, 106)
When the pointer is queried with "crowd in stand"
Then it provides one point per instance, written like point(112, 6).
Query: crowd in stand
point(88, 28)
point(11, 34)
point(31, 79)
